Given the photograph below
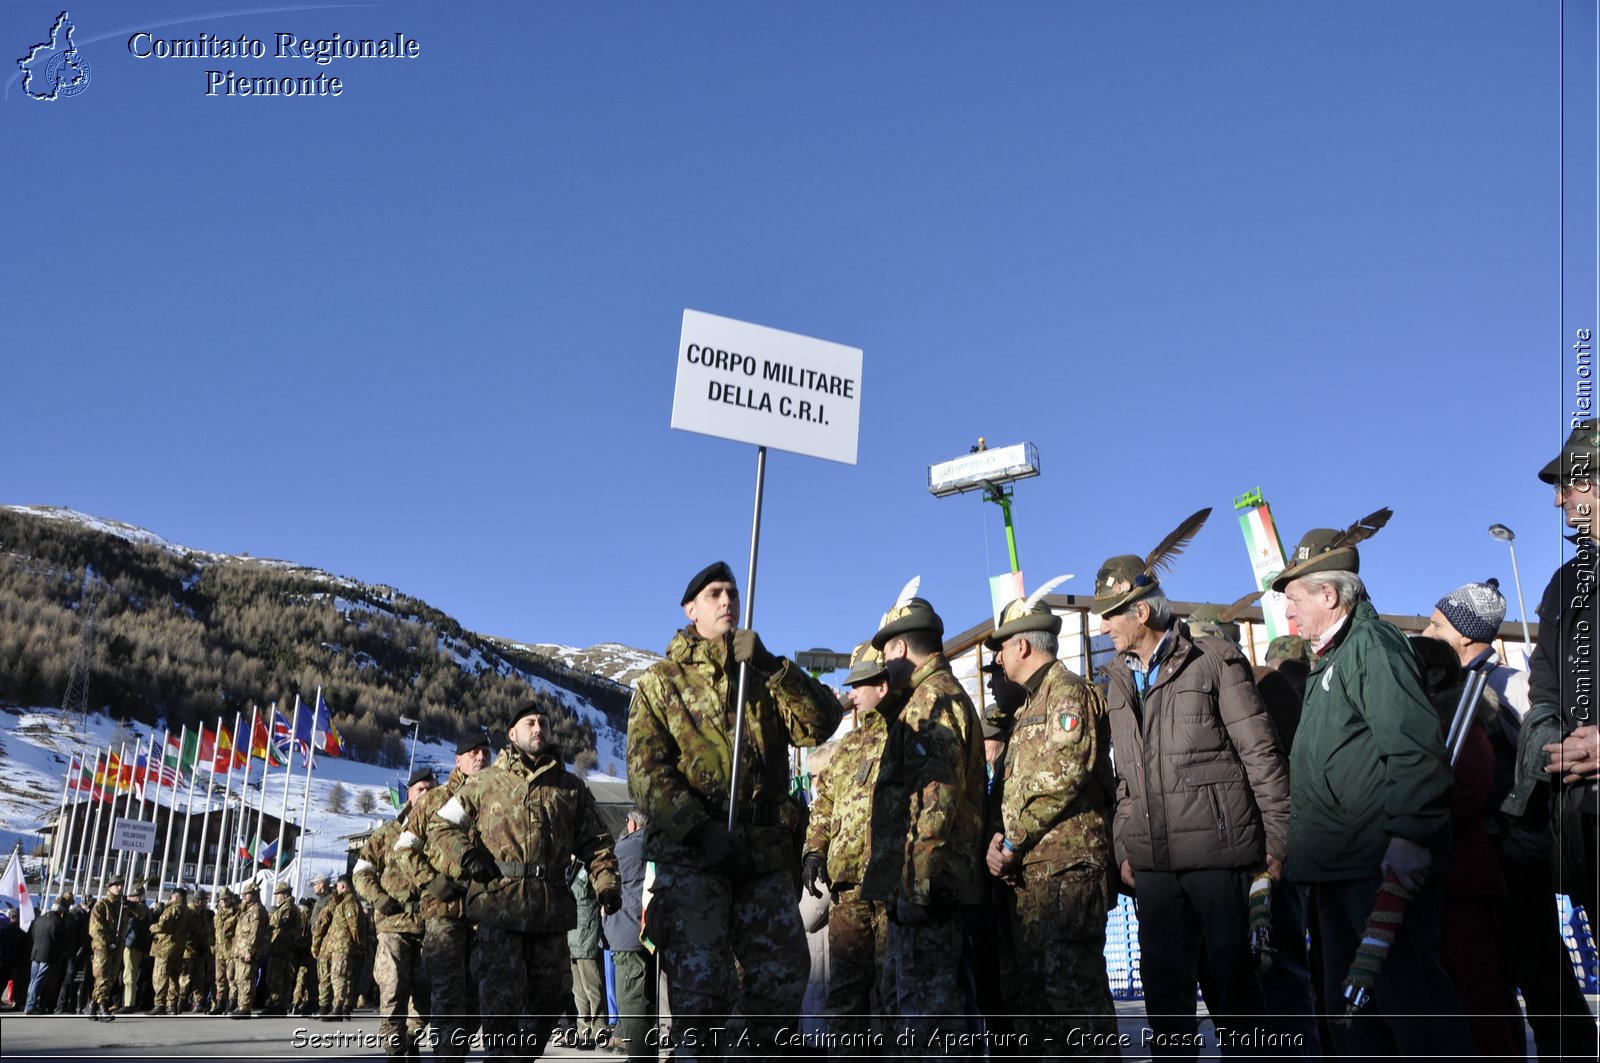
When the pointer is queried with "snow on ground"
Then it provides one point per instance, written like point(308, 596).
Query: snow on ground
point(38, 744)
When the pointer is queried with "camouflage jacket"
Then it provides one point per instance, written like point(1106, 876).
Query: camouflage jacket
point(927, 807)
point(202, 935)
point(1058, 788)
point(680, 752)
point(841, 813)
point(338, 930)
point(285, 923)
point(251, 932)
point(223, 920)
point(172, 931)
point(378, 875)
point(108, 922)
point(415, 853)
point(531, 816)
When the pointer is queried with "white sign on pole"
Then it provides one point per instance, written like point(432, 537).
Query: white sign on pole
point(768, 387)
point(133, 836)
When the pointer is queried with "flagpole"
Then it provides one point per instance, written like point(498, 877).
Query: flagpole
point(288, 776)
point(152, 790)
point(55, 850)
point(172, 810)
point(305, 798)
point(261, 805)
point(244, 794)
point(111, 828)
point(72, 821)
point(127, 805)
point(194, 777)
point(227, 791)
point(96, 795)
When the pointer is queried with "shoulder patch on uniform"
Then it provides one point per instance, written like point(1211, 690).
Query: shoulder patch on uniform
point(1070, 722)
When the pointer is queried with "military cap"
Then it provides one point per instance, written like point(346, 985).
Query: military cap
point(1287, 648)
point(282, 887)
point(532, 708)
point(1126, 578)
point(866, 666)
point(115, 880)
point(65, 898)
point(1331, 549)
point(249, 888)
point(1026, 614)
point(710, 574)
point(320, 880)
point(345, 879)
point(421, 775)
point(137, 891)
point(473, 740)
point(179, 890)
point(1208, 620)
point(915, 615)
point(1578, 456)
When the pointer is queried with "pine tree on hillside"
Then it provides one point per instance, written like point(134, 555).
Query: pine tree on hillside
point(338, 799)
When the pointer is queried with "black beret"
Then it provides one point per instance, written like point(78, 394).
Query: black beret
point(468, 742)
point(420, 775)
point(532, 708)
point(709, 574)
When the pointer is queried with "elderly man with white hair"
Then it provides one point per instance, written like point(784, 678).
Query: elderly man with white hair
point(1369, 818)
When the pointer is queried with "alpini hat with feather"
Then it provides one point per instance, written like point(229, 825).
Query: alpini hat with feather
point(1126, 578)
point(1331, 549)
point(1027, 614)
point(866, 666)
point(909, 613)
point(1219, 621)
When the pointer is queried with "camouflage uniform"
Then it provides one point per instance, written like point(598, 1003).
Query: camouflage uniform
point(250, 936)
point(170, 933)
point(223, 921)
point(197, 966)
point(362, 988)
point(108, 926)
point(447, 935)
point(402, 977)
point(840, 831)
point(530, 815)
point(711, 924)
point(1055, 812)
point(134, 955)
point(927, 827)
point(324, 991)
point(337, 937)
point(305, 968)
point(281, 947)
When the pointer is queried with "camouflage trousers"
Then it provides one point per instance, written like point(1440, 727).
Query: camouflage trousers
point(107, 970)
point(342, 968)
point(305, 984)
point(922, 967)
point(858, 930)
point(223, 977)
point(520, 975)
point(402, 990)
point(132, 972)
point(447, 953)
point(197, 980)
point(709, 928)
point(1053, 963)
point(324, 983)
point(244, 983)
point(169, 975)
point(280, 980)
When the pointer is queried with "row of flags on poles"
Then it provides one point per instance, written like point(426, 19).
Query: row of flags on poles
point(213, 751)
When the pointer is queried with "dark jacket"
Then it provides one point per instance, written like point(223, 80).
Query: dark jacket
point(583, 940)
point(1201, 778)
point(1369, 762)
point(52, 938)
point(1561, 671)
point(621, 927)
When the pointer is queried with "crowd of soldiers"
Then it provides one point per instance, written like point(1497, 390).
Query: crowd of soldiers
point(122, 955)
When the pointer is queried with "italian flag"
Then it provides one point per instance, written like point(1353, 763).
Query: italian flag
point(1266, 559)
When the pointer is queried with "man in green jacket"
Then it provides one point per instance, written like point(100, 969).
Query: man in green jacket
point(1369, 798)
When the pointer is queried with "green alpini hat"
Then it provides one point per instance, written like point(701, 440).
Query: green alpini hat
point(1027, 614)
point(1126, 578)
point(1219, 621)
point(1331, 549)
point(909, 613)
point(866, 666)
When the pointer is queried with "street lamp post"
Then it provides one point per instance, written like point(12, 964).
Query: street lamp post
point(1507, 536)
point(406, 721)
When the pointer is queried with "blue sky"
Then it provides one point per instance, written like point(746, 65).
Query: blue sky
point(425, 333)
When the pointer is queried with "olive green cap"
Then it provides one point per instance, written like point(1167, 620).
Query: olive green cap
point(282, 887)
point(1207, 620)
point(115, 880)
point(1287, 648)
point(1318, 551)
point(1017, 617)
point(1120, 582)
point(866, 666)
point(1578, 456)
point(916, 615)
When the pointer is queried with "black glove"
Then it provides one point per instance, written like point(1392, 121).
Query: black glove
point(811, 871)
point(387, 905)
point(479, 866)
point(717, 845)
point(610, 900)
point(443, 888)
point(747, 649)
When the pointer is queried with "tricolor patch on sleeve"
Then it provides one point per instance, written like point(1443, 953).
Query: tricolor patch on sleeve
point(1070, 721)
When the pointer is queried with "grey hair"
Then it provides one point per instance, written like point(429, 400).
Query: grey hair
point(1347, 585)
point(1043, 641)
point(1160, 608)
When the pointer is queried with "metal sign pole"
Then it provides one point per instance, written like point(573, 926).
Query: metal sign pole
point(749, 615)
